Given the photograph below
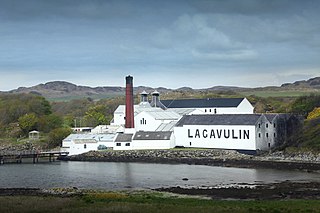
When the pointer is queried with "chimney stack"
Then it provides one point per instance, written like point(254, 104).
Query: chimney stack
point(129, 103)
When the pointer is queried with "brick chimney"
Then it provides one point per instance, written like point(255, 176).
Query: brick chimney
point(129, 103)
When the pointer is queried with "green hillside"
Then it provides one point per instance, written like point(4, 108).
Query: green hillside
point(20, 113)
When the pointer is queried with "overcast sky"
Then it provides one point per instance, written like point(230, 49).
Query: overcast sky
point(168, 43)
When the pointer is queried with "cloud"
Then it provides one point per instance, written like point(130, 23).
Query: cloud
point(60, 9)
point(238, 55)
point(192, 36)
point(176, 41)
point(250, 7)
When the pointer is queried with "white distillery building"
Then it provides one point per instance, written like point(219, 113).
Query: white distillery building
point(80, 143)
point(222, 123)
point(183, 107)
point(145, 140)
point(210, 106)
point(228, 131)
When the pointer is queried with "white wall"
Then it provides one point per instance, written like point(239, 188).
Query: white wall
point(188, 133)
point(118, 118)
point(66, 143)
point(152, 144)
point(146, 144)
point(151, 124)
point(245, 107)
point(78, 148)
point(75, 148)
point(212, 111)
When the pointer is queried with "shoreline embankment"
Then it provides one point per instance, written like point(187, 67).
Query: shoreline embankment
point(212, 157)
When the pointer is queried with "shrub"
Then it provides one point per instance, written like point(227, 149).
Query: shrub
point(315, 113)
point(57, 135)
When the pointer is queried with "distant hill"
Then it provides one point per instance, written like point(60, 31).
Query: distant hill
point(311, 83)
point(61, 90)
point(64, 91)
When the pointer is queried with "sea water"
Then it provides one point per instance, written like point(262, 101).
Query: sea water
point(114, 176)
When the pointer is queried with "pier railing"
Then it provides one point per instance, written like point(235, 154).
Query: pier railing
point(13, 156)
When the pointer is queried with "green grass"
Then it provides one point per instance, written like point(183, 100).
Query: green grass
point(147, 202)
point(94, 97)
point(270, 93)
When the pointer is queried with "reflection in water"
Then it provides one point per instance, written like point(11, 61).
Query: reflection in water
point(106, 175)
point(128, 177)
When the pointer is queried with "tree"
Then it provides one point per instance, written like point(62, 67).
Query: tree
point(68, 121)
point(14, 106)
point(49, 122)
point(96, 116)
point(305, 104)
point(57, 135)
point(28, 122)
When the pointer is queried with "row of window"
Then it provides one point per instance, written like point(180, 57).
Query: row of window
point(267, 125)
point(143, 121)
point(119, 144)
point(215, 111)
point(267, 135)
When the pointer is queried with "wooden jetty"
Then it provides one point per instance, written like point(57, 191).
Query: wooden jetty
point(17, 156)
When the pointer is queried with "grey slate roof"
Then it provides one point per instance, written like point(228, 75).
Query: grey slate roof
point(219, 119)
point(152, 135)
point(124, 137)
point(164, 115)
point(166, 126)
point(202, 103)
point(270, 117)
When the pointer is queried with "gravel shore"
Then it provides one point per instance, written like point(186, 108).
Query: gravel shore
point(273, 191)
point(228, 158)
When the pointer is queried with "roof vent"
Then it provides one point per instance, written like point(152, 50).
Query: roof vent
point(144, 96)
point(156, 100)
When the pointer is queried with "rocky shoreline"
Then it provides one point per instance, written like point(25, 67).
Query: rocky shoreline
point(273, 191)
point(213, 157)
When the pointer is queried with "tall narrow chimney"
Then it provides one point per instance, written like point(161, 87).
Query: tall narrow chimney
point(129, 103)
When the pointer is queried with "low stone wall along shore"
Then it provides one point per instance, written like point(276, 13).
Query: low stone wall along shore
point(229, 158)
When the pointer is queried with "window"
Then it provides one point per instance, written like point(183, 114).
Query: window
point(267, 135)
point(215, 111)
point(143, 121)
point(209, 110)
point(274, 134)
point(274, 125)
point(259, 135)
point(205, 110)
point(85, 146)
point(269, 145)
point(190, 143)
point(118, 144)
point(127, 144)
point(267, 125)
point(259, 125)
